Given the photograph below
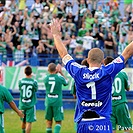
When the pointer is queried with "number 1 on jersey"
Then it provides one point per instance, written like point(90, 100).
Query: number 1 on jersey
point(93, 89)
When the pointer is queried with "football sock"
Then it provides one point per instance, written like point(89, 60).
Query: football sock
point(48, 130)
point(57, 128)
point(23, 130)
point(75, 126)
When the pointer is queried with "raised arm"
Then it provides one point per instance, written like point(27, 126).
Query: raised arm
point(14, 28)
point(2, 45)
point(128, 51)
point(10, 20)
point(55, 30)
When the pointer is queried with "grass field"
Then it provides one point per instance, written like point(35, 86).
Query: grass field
point(13, 123)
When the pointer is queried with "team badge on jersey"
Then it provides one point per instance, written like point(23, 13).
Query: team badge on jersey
point(118, 60)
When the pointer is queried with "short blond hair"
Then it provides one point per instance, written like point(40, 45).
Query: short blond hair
point(95, 55)
point(52, 67)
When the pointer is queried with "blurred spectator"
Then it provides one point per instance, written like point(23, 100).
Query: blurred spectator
point(7, 13)
point(78, 53)
point(88, 43)
point(130, 15)
point(68, 27)
point(113, 3)
point(13, 7)
point(106, 8)
point(26, 43)
point(99, 36)
point(46, 14)
point(22, 4)
point(67, 40)
point(73, 44)
point(105, 22)
point(1, 35)
point(82, 31)
point(94, 4)
point(121, 45)
point(82, 10)
point(115, 14)
point(47, 44)
point(20, 13)
point(68, 8)
point(114, 31)
point(109, 44)
point(27, 20)
point(37, 8)
point(53, 6)
point(99, 13)
point(95, 24)
point(127, 6)
point(70, 17)
point(41, 51)
point(61, 10)
point(24, 39)
point(124, 26)
point(9, 50)
point(8, 35)
point(15, 20)
point(130, 35)
point(35, 33)
point(18, 54)
point(44, 2)
point(89, 21)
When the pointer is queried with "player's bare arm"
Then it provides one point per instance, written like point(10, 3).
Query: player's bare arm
point(14, 107)
point(128, 51)
point(55, 30)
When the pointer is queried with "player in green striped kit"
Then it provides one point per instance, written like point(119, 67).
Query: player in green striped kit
point(28, 87)
point(53, 102)
point(120, 112)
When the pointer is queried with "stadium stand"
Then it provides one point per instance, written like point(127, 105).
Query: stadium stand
point(26, 25)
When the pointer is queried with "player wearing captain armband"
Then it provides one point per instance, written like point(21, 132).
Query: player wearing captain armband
point(28, 88)
point(93, 85)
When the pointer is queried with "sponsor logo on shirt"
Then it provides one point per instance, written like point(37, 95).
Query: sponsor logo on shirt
point(91, 103)
point(26, 101)
point(52, 96)
point(90, 76)
point(116, 97)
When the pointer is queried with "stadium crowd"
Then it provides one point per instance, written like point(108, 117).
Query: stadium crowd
point(24, 31)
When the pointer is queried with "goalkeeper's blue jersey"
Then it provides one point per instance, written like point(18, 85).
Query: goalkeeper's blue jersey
point(94, 86)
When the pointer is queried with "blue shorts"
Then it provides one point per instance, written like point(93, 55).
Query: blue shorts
point(94, 126)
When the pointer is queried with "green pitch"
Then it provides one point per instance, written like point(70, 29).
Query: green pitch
point(13, 123)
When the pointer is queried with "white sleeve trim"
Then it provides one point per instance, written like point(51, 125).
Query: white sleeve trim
point(66, 58)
